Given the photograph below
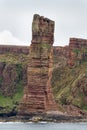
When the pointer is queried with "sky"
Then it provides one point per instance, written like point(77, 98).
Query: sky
point(16, 16)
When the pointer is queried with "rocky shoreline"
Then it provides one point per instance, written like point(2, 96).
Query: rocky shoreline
point(43, 117)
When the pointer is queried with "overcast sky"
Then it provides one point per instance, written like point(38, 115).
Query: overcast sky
point(16, 16)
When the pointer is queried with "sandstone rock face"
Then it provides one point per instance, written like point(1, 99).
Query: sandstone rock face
point(4, 49)
point(77, 48)
point(75, 51)
point(38, 97)
point(77, 43)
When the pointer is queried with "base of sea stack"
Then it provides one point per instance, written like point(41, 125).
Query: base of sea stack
point(52, 118)
point(37, 111)
point(44, 117)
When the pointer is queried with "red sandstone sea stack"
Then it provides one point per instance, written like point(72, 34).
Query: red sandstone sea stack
point(38, 96)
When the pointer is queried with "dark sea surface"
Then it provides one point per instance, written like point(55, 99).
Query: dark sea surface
point(42, 126)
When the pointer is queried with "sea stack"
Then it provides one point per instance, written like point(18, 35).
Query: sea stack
point(38, 95)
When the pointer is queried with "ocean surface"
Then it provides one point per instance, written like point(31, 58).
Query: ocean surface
point(42, 126)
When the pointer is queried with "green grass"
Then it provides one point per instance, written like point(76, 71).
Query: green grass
point(8, 103)
point(14, 58)
point(65, 83)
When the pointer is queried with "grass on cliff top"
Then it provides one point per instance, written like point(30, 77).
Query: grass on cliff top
point(14, 58)
point(64, 83)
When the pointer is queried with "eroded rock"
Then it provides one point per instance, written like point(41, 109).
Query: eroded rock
point(38, 95)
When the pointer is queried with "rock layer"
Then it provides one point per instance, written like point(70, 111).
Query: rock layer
point(38, 95)
point(5, 49)
point(77, 43)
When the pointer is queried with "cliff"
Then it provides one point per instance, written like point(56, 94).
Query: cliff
point(68, 80)
point(13, 78)
point(14, 49)
point(70, 76)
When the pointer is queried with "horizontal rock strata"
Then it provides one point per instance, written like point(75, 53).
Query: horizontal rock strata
point(4, 49)
point(38, 95)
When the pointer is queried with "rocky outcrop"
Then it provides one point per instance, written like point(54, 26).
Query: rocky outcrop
point(38, 96)
point(73, 54)
point(77, 43)
point(77, 51)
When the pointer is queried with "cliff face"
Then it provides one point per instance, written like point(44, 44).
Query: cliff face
point(13, 78)
point(69, 78)
point(10, 76)
point(70, 75)
point(78, 51)
point(77, 43)
point(38, 96)
point(14, 49)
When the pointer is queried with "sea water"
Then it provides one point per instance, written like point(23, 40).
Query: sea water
point(42, 126)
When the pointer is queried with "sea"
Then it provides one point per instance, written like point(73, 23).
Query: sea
point(42, 126)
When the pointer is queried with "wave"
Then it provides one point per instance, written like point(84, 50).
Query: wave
point(11, 122)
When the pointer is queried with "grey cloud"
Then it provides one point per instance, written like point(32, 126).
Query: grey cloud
point(70, 17)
